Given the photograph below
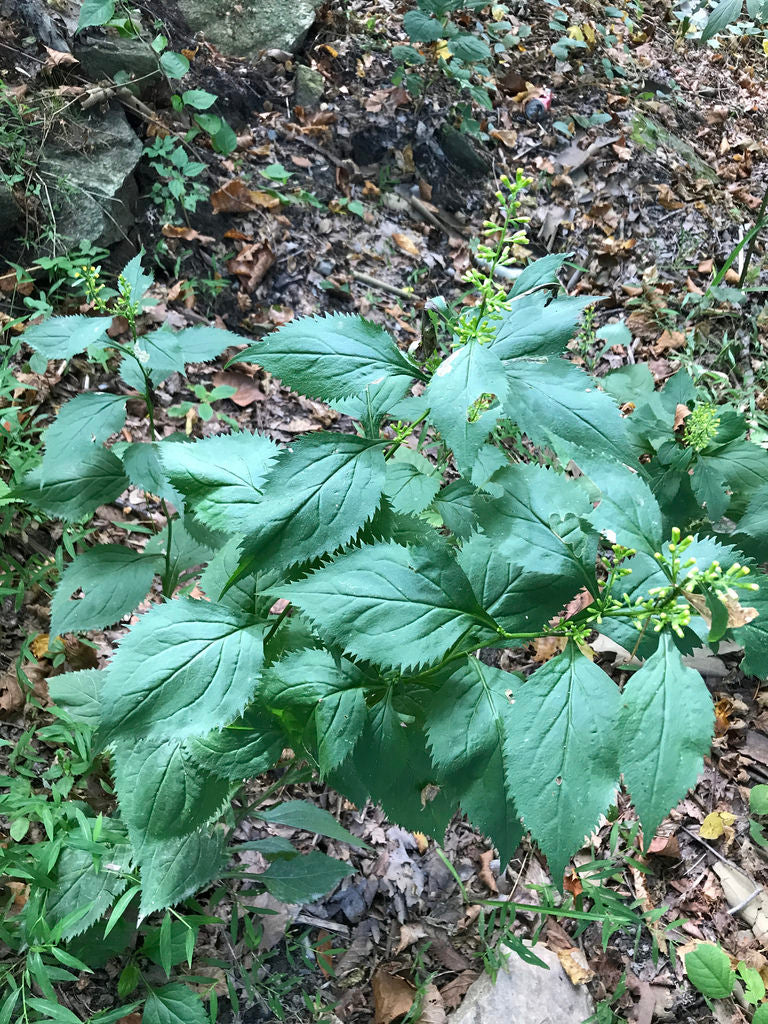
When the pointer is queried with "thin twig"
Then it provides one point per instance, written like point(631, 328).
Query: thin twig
point(385, 286)
point(746, 902)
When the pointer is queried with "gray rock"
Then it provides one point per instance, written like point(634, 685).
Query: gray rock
point(308, 87)
point(90, 179)
point(245, 29)
point(105, 57)
point(525, 994)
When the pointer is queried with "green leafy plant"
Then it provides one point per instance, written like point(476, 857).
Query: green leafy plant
point(178, 173)
point(462, 57)
point(709, 970)
point(203, 407)
point(354, 578)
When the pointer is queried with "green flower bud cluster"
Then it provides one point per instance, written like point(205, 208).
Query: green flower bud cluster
point(701, 427)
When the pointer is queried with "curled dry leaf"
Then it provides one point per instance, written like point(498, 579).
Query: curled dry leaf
point(247, 390)
point(485, 874)
point(455, 990)
point(392, 997)
point(432, 1008)
point(669, 340)
point(187, 233)
point(405, 243)
point(738, 615)
point(236, 197)
point(409, 933)
point(11, 694)
point(251, 264)
point(682, 412)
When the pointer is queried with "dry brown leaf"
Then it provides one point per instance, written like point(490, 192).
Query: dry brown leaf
point(405, 243)
point(11, 694)
point(506, 136)
point(392, 997)
point(669, 340)
point(251, 264)
point(738, 615)
point(422, 843)
point(59, 58)
point(485, 874)
point(190, 420)
point(247, 390)
point(135, 1018)
point(682, 412)
point(236, 197)
point(432, 1008)
point(667, 198)
point(705, 267)
point(409, 933)
point(455, 990)
point(546, 647)
point(188, 234)
point(323, 948)
point(665, 846)
point(575, 965)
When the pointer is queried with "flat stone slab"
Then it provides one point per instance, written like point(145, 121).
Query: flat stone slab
point(525, 994)
point(244, 29)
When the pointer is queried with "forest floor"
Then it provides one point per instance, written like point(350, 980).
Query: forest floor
point(648, 198)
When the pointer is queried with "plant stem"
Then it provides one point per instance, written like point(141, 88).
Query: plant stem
point(751, 248)
point(276, 624)
point(404, 438)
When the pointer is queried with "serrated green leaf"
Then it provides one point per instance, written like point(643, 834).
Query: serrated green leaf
point(80, 884)
point(322, 489)
point(468, 731)
point(75, 487)
point(455, 506)
point(562, 753)
point(244, 748)
point(395, 607)
point(163, 790)
point(754, 636)
point(628, 513)
point(330, 357)
point(540, 522)
point(412, 482)
point(141, 461)
point(83, 424)
point(61, 337)
point(468, 374)
point(664, 731)
point(79, 694)
point(186, 667)
point(555, 401)
point(519, 599)
point(373, 402)
point(174, 1004)
point(538, 274)
point(134, 282)
point(201, 344)
point(188, 550)
point(304, 879)
point(407, 788)
point(311, 818)
point(328, 693)
point(709, 969)
point(175, 867)
point(534, 327)
point(221, 477)
point(159, 353)
point(95, 12)
point(114, 579)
